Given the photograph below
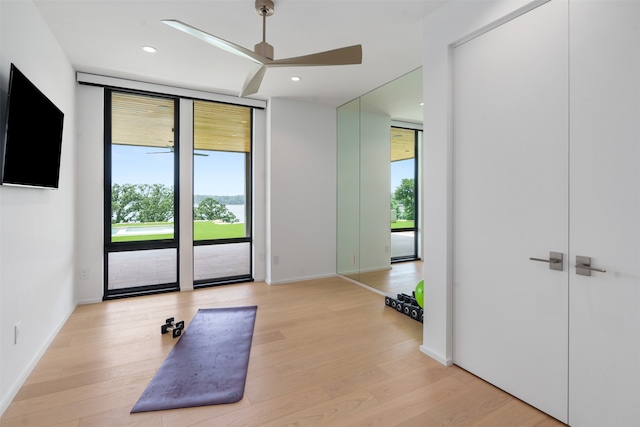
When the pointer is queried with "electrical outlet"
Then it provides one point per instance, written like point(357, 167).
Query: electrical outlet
point(84, 274)
point(16, 333)
point(353, 259)
point(276, 259)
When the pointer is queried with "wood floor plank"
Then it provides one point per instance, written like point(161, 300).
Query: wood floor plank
point(328, 413)
point(257, 415)
point(408, 405)
point(324, 352)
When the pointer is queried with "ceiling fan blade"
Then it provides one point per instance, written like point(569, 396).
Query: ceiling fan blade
point(171, 152)
point(254, 78)
point(216, 41)
point(342, 56)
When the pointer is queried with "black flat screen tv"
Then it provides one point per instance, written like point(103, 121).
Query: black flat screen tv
point(33, 136)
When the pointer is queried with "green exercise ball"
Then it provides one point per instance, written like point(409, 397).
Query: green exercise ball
point(420, 293)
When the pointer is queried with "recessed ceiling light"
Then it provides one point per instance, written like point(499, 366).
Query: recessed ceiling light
point(295, 78)
point(149, 49)
point(421, 104)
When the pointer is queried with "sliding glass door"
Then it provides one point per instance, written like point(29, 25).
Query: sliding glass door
point(142, 181)
point(141, 193)
point(222, 193)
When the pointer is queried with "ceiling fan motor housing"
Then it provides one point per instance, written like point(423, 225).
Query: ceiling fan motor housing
point(264, 49)
point(264, 7)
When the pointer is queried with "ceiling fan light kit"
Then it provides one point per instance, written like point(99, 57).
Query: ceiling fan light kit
point(262, 55)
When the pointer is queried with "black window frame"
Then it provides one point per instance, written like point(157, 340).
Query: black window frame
point(241, 278)
point(414, 257)
point(114, 247)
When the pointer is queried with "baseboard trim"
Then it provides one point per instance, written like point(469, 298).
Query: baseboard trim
point(362, 285)
point(89, 301)
point(300, 279)
point(436, 356)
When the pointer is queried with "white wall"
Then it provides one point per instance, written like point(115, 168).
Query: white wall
point(37, 234)
point(375, 190)
point(301, 191)
point(452, 22)
point(90, 195)
point(348, 188)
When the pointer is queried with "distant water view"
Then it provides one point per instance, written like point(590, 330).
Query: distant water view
point(238, 211)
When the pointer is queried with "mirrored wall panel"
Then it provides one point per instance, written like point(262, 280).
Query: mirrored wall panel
point(366, 203)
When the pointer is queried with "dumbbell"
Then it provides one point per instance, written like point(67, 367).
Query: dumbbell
point(404, 297)
point(416, 313)
point(391, 302)
point(176, 328)
point(410, 299)
point(388, 301)
point(406, 309)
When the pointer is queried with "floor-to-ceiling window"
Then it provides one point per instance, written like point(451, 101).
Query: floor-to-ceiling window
point(221, 193)
point(143, 251)
point(404, 203)
point(141, 193)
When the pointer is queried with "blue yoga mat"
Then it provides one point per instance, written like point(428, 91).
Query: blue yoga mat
point(207, 366)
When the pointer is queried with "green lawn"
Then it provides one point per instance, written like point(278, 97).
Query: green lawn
point(202, 230)
point(401, 223)
point(206, 230)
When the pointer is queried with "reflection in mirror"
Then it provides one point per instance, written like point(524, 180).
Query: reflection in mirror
point(348, 239)
point(366, 246)
point(404, 203)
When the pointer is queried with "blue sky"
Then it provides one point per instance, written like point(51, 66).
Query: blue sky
point(399, 170)
point(218, 174)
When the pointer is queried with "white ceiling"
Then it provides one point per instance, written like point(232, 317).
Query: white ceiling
point(106, 37)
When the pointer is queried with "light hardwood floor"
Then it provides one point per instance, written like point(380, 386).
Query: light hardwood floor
point(401, 278)
point(325, 352)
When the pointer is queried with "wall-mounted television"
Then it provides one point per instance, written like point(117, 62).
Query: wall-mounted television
point(32, 146)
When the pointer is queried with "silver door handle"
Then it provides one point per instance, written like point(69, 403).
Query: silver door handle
point(583, 266)
point(555, 260)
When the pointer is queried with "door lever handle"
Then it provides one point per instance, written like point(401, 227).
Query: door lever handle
point(583, 266)
point(555, 260)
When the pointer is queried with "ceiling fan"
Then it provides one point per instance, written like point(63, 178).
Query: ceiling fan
point(172, 150)
point(262, 56)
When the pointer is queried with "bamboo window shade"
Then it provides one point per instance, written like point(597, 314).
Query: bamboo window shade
point(149, 121)
point(402, 144)
point(221, 127)
point(141, 120)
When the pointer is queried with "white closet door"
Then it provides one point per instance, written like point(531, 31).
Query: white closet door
point(604, 370)
point(510, 321)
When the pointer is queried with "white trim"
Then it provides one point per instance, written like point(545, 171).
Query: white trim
point(116, 82)
point(495, 24)
point(90, 301)
point(437, 357)
point(362, 285)
point(258, 188)
point(372, 269)
point(301, 279)
point(185, 204)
